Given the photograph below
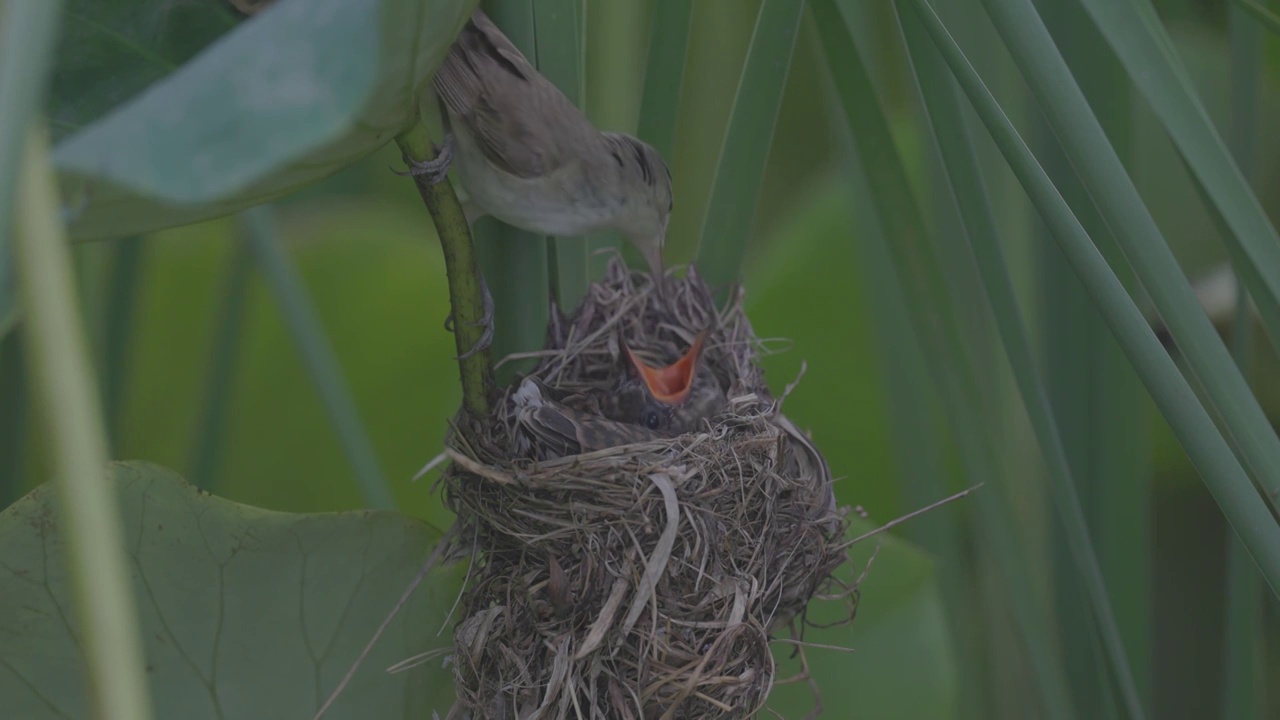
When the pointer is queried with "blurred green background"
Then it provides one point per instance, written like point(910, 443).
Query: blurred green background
point(366, 251)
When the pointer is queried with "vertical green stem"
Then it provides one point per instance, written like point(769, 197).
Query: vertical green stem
point(515, 262)
point(466, 294)
point(1101, 427)
point(13, 416)
point(27, 34)
point(558, 26)
point(206, 452)
point(664, 74)
point(745, 150)
point(63, 384)
point(117, 336)
point(1243, 684)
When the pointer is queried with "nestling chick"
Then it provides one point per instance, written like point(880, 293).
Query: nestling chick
point(671, 399)
point(557, 430)
point(653, 403)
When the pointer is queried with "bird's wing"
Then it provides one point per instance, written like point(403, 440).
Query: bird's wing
point(507, 106)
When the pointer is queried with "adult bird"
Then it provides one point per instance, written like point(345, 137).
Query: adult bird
point(528, 156)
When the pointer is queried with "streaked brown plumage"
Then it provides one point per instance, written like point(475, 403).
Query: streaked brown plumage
point(529, 157)
point(558, 430)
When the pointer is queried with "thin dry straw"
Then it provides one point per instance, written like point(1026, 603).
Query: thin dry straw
point(433, 559)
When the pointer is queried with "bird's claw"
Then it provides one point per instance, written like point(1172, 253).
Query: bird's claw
point(486, 322)
point(435, 169)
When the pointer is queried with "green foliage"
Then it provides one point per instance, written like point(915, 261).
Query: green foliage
point(244, 612)
point(277, 448)
point(108, 52)
point(740, 171)
point(170, 113)
point(515, 262)
point(276, 104)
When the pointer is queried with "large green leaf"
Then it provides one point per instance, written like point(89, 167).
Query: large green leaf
point(246, 612)
point(296, 93)
point(110, 51)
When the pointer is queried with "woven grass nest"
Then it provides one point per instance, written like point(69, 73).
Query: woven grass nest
point(644, 580)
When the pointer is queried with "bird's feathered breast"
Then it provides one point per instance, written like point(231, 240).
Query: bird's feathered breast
point(520, 121)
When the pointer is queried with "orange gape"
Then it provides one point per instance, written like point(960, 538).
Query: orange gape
point(672, 383)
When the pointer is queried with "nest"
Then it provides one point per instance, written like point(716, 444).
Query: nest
point(644, 580)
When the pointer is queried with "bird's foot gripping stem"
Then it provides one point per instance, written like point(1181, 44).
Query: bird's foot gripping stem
point(435, 169)
point(486, 322)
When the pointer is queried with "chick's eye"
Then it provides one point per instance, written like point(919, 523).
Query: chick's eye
point(651, 420)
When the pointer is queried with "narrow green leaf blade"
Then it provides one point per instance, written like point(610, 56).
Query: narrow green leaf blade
point(1103, 174)
point(558, 25)
point(118, 324)
point(28, 33)
point(668, 50)
point(1244, 660)
point(1218, 466)
point(664, 74)
point(1265, 17)
point(1252, 241)
point(317, 355)
point(1098, 400)
point(14, 416)
point(66, 395)
point(947, 353)
point(726, 227)
point(921, 455)
point(961, 163)
point(228, 336)
point(515, 262)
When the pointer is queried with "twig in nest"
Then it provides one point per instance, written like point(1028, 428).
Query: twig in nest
point(802, 643)
point(467, 578)
point(894, 523)
point(412, 662)
point(432, 464)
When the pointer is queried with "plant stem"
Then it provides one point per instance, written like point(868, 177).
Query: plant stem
point(466, 292)
point(63, 385)
point(210, 434)
point(317, 355)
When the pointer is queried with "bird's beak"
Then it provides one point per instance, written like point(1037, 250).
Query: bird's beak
point(672, 383)
point(653, 257)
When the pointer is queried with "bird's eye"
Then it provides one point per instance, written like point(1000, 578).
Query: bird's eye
point(651, 420)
